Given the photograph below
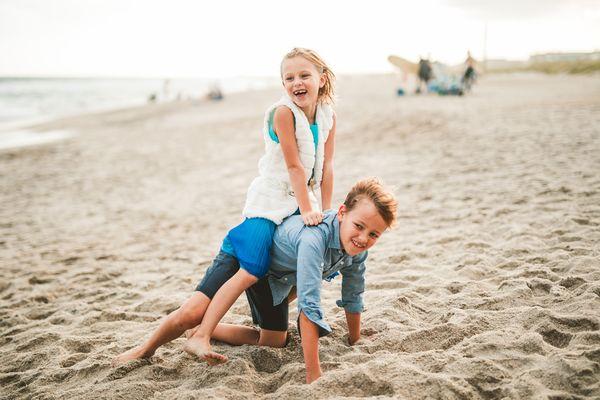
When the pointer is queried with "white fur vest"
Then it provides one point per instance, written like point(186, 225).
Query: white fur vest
point(270, 195)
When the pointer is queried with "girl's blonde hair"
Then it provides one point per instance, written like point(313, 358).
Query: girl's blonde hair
point(326, 93)
point(383, 199)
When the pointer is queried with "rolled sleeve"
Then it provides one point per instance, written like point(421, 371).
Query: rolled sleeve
point(311, 252)
point(353, 285)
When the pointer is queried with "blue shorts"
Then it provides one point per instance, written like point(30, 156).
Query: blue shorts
point(250, 242)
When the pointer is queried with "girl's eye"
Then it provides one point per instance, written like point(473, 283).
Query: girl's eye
point(305, 75)
point(289, 79)
point(358, 226)
point(373, 235)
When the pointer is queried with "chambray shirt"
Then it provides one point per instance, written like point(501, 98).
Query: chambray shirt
point(302, 256)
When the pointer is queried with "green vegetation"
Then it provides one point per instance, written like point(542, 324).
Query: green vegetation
point(556, 67)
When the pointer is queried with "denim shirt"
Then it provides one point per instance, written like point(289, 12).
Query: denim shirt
point(302, 256)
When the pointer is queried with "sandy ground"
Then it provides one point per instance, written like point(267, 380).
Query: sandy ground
point(488, 289)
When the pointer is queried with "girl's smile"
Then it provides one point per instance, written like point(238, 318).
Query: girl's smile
point(302, 81)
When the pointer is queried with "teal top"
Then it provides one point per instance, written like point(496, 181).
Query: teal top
point(314, 128)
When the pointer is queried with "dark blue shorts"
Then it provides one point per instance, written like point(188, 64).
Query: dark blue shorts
point(260, 298)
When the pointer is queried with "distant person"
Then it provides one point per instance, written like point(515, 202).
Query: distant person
point(470, 73)
point(425, 74)
point(166, 89)
point(299, 134)
point(215, 93)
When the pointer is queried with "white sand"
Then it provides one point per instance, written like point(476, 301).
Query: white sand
point(488, 289)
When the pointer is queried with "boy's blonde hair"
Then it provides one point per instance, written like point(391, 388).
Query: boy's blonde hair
point(383, 199)
point(326, 93)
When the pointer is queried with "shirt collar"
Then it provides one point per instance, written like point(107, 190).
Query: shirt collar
point(334, 242)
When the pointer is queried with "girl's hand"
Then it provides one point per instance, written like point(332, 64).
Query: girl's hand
point(311, 218)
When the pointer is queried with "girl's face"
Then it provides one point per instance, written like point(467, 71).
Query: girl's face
point(361, 227)
point(301, 80)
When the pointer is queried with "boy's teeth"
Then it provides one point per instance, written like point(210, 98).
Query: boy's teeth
point(356, 244)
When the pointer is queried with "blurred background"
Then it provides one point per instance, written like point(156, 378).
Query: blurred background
point(67, 56)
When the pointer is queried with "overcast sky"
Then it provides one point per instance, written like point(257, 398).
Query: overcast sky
point(193, 38)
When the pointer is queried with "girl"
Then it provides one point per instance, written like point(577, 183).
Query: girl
point(297, 167)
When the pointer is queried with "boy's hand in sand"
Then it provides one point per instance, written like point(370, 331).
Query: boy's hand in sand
point(312, 218)
point(352, 341)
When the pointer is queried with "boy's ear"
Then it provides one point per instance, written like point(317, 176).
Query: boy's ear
point(342, 212)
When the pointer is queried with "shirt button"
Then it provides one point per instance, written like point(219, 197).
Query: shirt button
point(322, 264)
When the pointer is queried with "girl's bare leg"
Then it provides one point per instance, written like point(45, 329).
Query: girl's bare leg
point(199, 343)
point(172, 326)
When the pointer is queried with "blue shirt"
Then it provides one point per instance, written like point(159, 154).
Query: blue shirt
point(302, 256)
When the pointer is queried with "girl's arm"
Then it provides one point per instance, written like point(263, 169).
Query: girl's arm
point(327, 182)
point(283, 122)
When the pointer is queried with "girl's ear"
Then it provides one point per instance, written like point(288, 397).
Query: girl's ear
point(322, 80)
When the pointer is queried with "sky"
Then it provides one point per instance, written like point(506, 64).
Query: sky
point(194, 38)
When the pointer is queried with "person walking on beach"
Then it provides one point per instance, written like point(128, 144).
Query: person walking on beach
point(297, 169)
point(425, 74)
point(469, 75)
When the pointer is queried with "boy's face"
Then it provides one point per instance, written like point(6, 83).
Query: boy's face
point(361, 227)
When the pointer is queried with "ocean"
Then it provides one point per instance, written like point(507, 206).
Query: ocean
point(29, 100)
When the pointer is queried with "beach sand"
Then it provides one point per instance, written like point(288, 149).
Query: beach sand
point(489, 288)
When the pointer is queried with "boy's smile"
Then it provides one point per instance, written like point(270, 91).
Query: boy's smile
point(361, 227)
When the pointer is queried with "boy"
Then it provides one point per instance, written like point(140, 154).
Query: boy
point(301, 256)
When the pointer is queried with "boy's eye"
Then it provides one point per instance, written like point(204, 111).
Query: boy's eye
point(373, 235)
point(358, 226)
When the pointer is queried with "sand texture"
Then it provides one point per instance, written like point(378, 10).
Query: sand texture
point(488, 289)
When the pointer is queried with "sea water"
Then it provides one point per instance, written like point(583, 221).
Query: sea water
point(26, 101)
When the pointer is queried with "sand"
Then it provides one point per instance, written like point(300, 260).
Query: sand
point(489, 288)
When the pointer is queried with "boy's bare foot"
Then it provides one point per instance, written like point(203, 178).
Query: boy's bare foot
point(203, 351)
point(130, 355)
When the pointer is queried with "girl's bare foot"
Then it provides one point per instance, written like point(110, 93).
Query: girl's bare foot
point(190, 332)
point(130, 355)
point(202, 350)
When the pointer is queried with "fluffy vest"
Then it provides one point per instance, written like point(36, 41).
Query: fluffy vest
point(270, 195)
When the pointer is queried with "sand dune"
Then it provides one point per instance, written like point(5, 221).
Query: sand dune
point(488, 289)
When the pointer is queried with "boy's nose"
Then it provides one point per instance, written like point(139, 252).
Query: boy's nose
point(364, 238)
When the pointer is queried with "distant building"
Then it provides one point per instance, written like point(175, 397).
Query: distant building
point(500, 64)
point(550, 57)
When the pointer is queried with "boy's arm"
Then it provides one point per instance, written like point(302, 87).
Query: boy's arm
point(311, 252)
point(310, 348)
point(353, 320)
point(353, 286)
point(327, 181)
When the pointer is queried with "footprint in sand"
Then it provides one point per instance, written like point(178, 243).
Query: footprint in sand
point(266, 359)
point(555, 337)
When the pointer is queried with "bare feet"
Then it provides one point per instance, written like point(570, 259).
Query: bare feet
point(202, 350)
point(130, 355)
point(190, 332)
